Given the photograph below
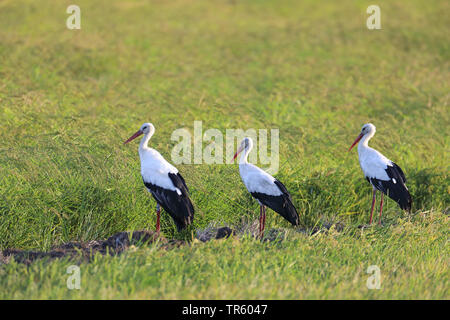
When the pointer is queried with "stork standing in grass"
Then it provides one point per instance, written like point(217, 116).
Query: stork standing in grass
point(267, 190)
point(383, 174)
point(163, 181)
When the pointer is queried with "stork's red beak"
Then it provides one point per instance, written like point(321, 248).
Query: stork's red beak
point(134, 136)
point(356, 141)
point(236, 154)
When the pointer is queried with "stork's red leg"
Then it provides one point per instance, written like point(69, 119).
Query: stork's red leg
point(381, 208)
point(263, 221)
point(373, 206)
point(260, 218)
point(158, 214)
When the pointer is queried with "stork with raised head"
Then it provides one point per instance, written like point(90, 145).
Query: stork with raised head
point(383, 174)
point(267, 190)
point(163, 181)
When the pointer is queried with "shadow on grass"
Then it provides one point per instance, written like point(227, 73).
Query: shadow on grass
point(428, 188)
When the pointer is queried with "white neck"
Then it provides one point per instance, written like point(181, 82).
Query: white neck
point(364, 142)
point(244, 155)
point(144, 141)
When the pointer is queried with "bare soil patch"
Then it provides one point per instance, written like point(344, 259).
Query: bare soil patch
point(114, 245)
point(121, 241)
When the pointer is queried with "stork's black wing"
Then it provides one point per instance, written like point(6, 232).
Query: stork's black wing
point(395, 187)
point(281, 204)
point(178, 181)
point(178, 206)
point(399, 171)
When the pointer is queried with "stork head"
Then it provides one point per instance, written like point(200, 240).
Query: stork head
point(147, 129)
point(246, 145)
point(367, 130)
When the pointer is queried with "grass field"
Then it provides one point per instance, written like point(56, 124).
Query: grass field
point(69, 98)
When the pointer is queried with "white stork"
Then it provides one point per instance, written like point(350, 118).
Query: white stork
point(267, 190)
point(163, 181)
point(382, 173)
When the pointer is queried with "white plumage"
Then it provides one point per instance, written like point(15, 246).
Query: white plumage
point(256, 179)
point(372, 162)
point(155, 169)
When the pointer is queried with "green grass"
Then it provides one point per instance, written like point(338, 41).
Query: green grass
point(69, 99)
point(326, 266)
